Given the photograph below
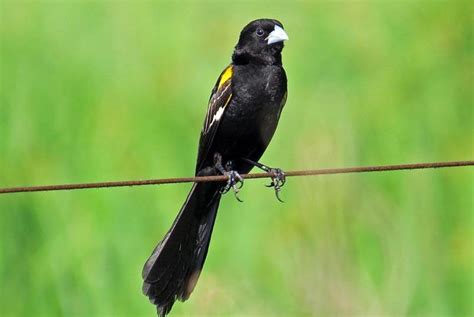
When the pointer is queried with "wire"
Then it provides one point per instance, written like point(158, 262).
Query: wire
point(328, 171)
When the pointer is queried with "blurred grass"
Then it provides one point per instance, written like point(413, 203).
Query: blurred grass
point(95, 91)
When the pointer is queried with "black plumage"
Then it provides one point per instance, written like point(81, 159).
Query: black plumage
point(243, 113)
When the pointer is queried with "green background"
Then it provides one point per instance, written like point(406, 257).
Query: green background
point(118, 90)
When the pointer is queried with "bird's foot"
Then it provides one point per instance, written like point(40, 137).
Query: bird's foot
point(278, 178)
point(234, 180)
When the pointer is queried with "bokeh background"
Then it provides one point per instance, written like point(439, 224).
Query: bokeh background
point(99, 91)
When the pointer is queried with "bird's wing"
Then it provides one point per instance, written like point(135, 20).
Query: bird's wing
point(221, 96)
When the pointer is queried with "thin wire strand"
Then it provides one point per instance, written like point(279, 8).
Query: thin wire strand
point(328, 171)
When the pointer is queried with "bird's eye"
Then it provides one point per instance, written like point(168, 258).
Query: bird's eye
point(260, 32)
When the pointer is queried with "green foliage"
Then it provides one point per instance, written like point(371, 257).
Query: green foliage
point(96, 91)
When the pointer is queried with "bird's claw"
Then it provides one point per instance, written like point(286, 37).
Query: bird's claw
point(278, 180)
point(234, 182)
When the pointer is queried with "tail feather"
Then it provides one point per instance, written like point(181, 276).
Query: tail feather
point(172, 270)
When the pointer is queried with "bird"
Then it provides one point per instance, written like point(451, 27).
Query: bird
point(242, 115)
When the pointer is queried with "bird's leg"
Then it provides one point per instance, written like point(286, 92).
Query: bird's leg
point(234, 181)
point(278, 178)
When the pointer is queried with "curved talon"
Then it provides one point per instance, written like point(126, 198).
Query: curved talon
point(224, 190)
point(277, 176)
point(278, 180)
point(240, 182)
point(277, 194)
point(234, 182)
point(236, 194)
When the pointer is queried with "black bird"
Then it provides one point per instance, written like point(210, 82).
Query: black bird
point(243, 113)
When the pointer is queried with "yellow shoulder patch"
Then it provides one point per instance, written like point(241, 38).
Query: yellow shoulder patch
point(225, 76)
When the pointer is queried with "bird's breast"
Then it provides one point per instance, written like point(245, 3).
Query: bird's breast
point(258, 88)
point(254, 111)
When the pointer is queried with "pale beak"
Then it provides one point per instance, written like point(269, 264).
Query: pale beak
point(277, 35)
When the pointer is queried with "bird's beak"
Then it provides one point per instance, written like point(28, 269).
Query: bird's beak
point(277, 35)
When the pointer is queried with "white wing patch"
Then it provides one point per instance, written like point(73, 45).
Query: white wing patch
point(217, 116)
point(220, 111)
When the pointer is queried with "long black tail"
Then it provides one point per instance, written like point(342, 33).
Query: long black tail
point(173, 268)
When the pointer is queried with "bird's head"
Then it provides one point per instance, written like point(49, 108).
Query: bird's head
point(260, 42)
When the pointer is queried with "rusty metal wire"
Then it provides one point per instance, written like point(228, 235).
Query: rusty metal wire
point(328, 171)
